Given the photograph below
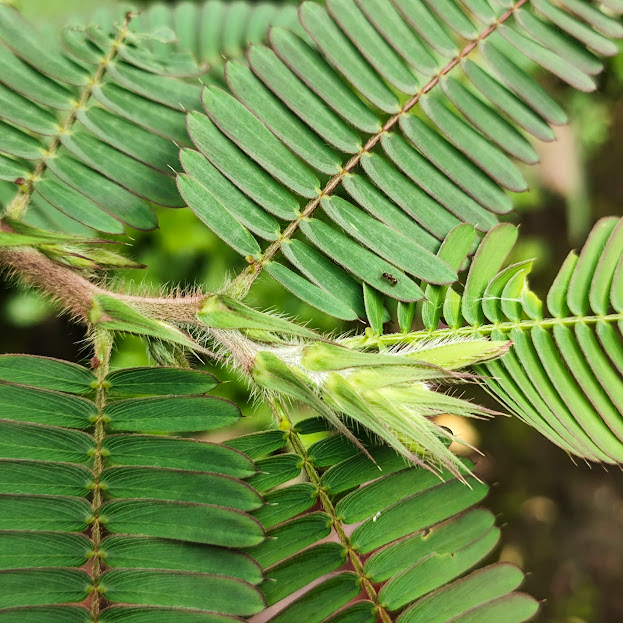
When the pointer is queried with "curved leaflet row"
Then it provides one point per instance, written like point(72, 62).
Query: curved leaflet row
point(368, 542)
point(564, 373)
point(119, 523)
point(376, 133)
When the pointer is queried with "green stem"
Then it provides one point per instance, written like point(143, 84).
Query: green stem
point(390, 339)
point(329, 508)
point(103, 347)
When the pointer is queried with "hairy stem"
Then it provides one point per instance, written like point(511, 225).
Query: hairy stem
point(329, 508)
point(66, 286)
point(17, 208)
point(103, 347)
point(245, 279)
point(75, 293)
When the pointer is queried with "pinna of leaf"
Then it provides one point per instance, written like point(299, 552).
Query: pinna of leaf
point(388, 393)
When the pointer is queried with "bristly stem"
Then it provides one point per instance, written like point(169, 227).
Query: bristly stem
point(75, 292)
point(18, 206)
point(329, 508)
point(101, 360)
point(243, 282)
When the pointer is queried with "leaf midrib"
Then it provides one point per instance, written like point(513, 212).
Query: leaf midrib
point(329, 508)
point(103, 344)
point(481, 330)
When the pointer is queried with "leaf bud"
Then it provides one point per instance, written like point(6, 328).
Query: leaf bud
point(221, 312)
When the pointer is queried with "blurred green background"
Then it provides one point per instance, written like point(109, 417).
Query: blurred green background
point(563, 522)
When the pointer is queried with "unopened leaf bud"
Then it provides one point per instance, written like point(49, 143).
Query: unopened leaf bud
point(221, 312)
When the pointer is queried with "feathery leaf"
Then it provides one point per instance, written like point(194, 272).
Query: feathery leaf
point(163, 518)
point(93, 128)
point(414, 535)
point(564, 372)
point(360, 87)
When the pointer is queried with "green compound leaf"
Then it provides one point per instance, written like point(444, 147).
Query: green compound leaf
point(197, 523)
point(281, 121)
point(46, 373)
point(165, 517)
point(38, 406)
point(43, 512)
point(559, 375)
point(478, 588)
point(171, 414)
point(402, 519)
point(159, 382)
point(50, 585)
point(296, 572)
point(161, 451)
point(150, 553)
point(190, 486)
point(310, 293)
point(43, 549)
point(53, 478)
point(37, 442)
point(170, 544)
point(292, 536)
point(200, 199)
point(361, 262)
point(225, 194)
point(104, 108)
point(348, 80)
point(563, 372)
point(54, 614)
point(182, 590)
point(259, 444)
point(414, 535)
point(375, 310)
point(388, 243)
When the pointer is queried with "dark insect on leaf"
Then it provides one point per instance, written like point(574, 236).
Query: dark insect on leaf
point(390, 278)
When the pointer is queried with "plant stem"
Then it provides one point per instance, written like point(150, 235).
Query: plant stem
point(243, 282)
point(66, 286)
point(329, 508)
point(103, 347)
point(75, 292)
